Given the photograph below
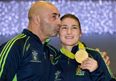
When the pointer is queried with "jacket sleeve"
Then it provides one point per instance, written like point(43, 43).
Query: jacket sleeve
point(102, 73)
point(9, 60)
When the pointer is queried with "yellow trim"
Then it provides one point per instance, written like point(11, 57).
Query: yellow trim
point(15, 78)
point(5, 51)
point(81, 46)
point(24, 48)
point(67, 53)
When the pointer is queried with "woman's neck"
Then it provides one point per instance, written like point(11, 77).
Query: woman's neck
point(67, 47)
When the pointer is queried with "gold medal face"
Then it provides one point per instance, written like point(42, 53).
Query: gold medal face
point(81, 55)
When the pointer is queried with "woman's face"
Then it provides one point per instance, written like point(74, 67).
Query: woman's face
point(69, 32)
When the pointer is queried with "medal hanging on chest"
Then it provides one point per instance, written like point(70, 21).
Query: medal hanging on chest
point(79, 56)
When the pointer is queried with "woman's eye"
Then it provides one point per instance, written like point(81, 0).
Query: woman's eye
point(63, 27)
point(75, 27)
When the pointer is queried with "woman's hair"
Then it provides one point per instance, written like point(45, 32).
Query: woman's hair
point(71, 16)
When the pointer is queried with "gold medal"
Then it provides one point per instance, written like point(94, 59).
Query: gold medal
point(81, 55)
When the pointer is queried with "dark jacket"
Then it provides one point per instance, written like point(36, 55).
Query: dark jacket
point(25, 58)
point(68, 69)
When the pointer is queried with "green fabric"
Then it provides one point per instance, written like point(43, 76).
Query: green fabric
point(15, 78)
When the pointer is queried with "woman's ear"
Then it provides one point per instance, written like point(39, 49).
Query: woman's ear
point(80, 34)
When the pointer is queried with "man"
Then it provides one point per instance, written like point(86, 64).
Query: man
point(26, 57)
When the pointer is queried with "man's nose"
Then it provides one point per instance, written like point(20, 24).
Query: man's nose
point(59, 22)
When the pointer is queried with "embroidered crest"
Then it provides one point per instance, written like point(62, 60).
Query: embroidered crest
point(57, 76)
point(35, 57)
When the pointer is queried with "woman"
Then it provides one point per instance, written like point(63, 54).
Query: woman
point(71, 67)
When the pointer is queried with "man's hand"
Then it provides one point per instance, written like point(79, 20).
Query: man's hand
point(105, 56)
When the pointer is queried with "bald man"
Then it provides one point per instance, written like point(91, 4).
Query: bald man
point(27, 57)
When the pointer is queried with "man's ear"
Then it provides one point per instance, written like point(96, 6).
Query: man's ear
point(36, 19)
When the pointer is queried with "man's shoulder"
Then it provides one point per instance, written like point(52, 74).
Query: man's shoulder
point(16, 42)
point(52, 48)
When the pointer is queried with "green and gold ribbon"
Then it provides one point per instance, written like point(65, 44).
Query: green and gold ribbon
point(70, 54)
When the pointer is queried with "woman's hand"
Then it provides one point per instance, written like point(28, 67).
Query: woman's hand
point(89, 64)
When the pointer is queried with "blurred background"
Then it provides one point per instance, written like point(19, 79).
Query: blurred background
point(97, 17)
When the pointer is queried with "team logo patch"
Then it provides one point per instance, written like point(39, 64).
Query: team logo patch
point(57, 76)
point(35, 57)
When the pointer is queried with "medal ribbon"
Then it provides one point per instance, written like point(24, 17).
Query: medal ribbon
point(70, 54)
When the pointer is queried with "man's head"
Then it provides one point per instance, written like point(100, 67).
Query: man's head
point(44, 19)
